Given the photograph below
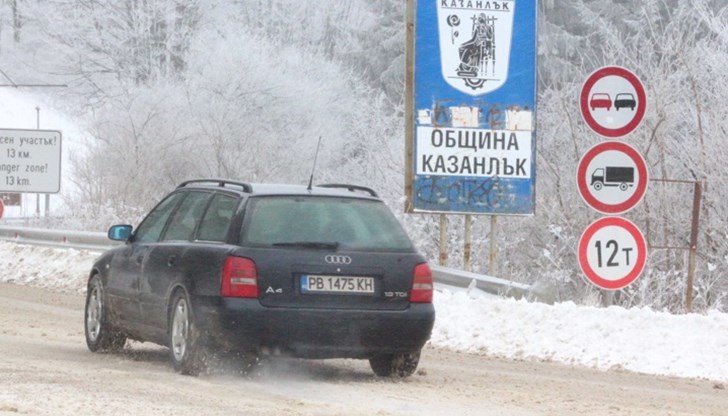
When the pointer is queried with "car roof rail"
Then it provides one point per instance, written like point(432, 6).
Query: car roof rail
point(351, 188)
point(219, 182)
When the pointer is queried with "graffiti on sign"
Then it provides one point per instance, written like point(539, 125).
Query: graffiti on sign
point(437, 189)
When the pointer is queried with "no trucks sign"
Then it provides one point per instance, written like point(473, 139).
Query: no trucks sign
point(612, 177)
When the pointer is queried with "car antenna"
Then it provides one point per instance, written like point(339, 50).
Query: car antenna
point(315, 156)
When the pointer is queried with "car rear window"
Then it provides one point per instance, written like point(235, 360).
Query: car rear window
point(352, 224)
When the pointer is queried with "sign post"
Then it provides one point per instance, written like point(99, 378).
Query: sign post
point(612, 179)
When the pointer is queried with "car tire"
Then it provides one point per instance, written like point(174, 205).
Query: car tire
point(100, 335)
point(395, 365)
point(186, 349)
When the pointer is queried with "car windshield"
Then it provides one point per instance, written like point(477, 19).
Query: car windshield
point(322, 223)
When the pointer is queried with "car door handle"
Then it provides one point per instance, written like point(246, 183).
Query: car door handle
point(171, 261)
point(140, 259)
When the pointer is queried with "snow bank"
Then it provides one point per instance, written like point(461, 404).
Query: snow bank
point(640, 340)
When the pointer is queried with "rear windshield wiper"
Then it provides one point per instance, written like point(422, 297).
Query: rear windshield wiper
point(309, 244)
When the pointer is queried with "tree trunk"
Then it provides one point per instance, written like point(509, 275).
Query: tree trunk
point(17, 21)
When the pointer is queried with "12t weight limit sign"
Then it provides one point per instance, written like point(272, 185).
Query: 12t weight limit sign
point(612, 253)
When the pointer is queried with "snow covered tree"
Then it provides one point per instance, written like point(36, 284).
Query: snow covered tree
point(173, 89)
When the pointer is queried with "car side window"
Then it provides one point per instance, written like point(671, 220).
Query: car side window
point(153, 224)
point(216, 222)
point(185, 219)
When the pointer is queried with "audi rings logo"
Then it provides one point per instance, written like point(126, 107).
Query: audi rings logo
point(335, 259)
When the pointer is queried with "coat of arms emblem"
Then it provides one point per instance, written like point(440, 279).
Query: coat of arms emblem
point(475, 43)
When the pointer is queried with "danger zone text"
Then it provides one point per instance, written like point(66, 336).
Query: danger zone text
point(30, 161)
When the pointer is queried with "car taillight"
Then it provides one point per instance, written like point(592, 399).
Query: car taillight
point(239, 278)
point(422, 284)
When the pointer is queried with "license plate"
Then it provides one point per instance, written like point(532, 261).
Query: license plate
point(336, 284)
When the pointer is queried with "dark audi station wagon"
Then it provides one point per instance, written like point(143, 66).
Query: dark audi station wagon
point(255, 269)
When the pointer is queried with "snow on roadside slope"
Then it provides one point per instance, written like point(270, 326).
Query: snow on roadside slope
point(50, 268)
point(639, 340)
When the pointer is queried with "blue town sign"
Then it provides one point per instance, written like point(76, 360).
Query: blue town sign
point(474, 106)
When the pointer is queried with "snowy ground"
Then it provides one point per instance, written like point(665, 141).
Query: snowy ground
point(639, 340)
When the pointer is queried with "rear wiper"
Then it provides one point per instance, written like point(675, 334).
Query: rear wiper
point(309, 244)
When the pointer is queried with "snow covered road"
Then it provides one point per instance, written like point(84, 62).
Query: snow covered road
point(640, 340)
point(45, 369)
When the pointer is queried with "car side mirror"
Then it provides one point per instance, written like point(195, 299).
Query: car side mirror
point(119, 232)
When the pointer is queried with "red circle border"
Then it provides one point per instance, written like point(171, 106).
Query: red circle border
point(584, 101)
point(581, 183)
point(640, 261)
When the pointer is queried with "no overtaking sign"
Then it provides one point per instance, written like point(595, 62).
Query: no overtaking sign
point(613, 101)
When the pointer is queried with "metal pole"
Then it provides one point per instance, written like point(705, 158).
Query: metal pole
point(607, 298)
point(37, 196)
point(467, 251)
point(697, 197)
point(443, 240)
point(689, 290)
point(409, 105)
point(47, 196)
point(493, 268)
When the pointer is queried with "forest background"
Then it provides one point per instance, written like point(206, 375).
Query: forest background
point(176, 89)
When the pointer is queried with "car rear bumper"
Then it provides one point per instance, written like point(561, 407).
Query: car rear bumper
point(244, 324)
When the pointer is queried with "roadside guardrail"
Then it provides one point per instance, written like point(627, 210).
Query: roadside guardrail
point(490, 284)
point(98, 241)
point(80, 240)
